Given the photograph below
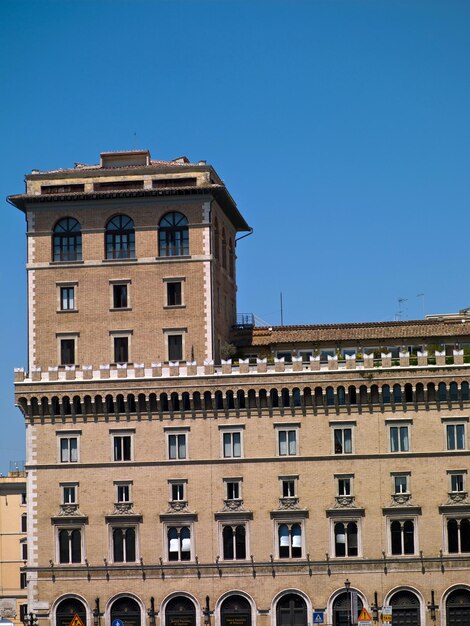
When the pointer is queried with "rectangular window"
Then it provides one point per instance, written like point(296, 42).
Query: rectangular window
point(68, 449)
point(233, 488)
point(174, 293)
point(457, 482)
point(67, 298)
point(121, 349)
point(286, 355)
point(122, 447)
point(175, 347)
point(123, 492)
point(288, 487)
point(120, 296)
point(177, 490)
point(401, 484)
point(344, 485)
point(69, 545)
point(23, 582)
point(24, 551)
point(305, 355)
point(69, 494)
point(455, 436)
point(177, 446)
point(67, 351)
point(232, 444)
point(23, 497)
point(287, 441)
point(24, 523)
point(343, 440)
point(399, 439)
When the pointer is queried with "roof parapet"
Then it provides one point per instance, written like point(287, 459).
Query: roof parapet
point(242, 367)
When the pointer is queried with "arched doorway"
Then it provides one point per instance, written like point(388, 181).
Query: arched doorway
point(291, 611)
point(180, 611)
point(406, 609)
point(67, 610)
point(458, 608)
point(127, 611)
point(342, 609)
point(235, 611)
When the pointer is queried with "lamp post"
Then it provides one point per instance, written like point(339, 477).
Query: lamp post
point(151, 612)
point(347, 586)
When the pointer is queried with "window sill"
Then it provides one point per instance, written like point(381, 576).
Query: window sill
point(80, 262)
point(120, 308)
point(174, 306)
point(130, 259)
point(183, 257)
point(67, 311)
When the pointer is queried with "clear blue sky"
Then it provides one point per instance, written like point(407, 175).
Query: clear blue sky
point(342, 129)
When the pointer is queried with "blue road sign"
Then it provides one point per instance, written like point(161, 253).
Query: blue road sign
point(117, 622)
point(318, 617)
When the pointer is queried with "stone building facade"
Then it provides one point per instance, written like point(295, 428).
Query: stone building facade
point(13, 547)
point(323, 471)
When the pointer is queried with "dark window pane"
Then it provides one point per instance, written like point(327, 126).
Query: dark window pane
point(174, 294)
point(175, 348)
point(67, 351)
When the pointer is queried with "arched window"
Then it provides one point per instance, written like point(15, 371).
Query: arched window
point(291, 610)
point(458, 608)
point(290, 541)
point(234, 542)
point(67, 609)
point(397, 393)
point(442, 391)
point(454, 392)
point(406, 609)
point(126, 610)
point(352, 395)
point(402, 537)
point(235, 610)
point(124, 545)
point(458, 535)
point(330, 396)
point(464, 391)
point(180, 610)
point(67, 240)
point(346, 539)
point(70, 545)
point(341, 396)
point(120, 238)
point(386, 394)
point(179, 544)
point(173, 235)
point(342, 609)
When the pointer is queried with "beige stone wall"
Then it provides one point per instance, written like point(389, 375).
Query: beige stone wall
point(12, 536)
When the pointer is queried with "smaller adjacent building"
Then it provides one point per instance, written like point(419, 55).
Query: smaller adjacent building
point(13, 545)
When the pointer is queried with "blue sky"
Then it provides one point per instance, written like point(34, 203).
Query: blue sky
point(341, 128)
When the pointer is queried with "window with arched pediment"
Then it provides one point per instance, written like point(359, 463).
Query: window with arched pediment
point(173, 235)
point(67, 240)
point(120, 238)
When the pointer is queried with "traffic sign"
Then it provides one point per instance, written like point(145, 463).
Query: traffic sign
point(117, 622)
point(387, 614)
point(365, 616)
point(318, 617)
point(76, 621)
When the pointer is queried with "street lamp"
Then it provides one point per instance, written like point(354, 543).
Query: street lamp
point(347, 586)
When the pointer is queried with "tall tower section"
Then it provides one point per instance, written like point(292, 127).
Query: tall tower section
point(129, 261)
